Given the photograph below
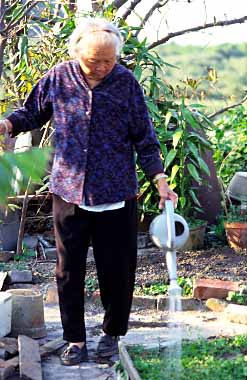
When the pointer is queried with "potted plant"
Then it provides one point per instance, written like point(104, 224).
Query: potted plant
point(235, 210)
point(236, 227)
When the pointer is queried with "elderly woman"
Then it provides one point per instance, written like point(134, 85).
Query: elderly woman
point(100, 120)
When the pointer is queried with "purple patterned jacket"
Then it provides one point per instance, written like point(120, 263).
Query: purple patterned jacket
point(96, 133)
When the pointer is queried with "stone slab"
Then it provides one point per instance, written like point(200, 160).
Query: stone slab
point(6, 369)
point(9, 344)
point(188, 303)
point(29, 358)
point(3, 276)
point(16, 276)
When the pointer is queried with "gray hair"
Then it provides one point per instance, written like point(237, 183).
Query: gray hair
point(91, 30)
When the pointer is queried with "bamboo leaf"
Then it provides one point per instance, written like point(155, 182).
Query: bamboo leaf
point(168, 118)
point(194, 197)
point(182, 202)
point(193, 172)
point(176, 137)
point(193, 148)
point(201, 139)
point(175, 169)
point(170, 157)
point(189, 118)
point(203, 165)
point(138, 72)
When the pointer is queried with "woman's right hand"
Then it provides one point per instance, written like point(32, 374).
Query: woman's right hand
point(5, 127)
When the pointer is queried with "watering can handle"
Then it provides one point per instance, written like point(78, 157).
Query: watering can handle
point(171, 233)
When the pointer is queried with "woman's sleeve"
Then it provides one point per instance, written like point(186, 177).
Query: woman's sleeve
point(143, 134)
point(37, 108)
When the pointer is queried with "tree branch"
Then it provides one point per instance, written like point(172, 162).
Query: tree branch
point(213, 115)
point(196, 29)
point(118, 3)
point(12, 24)
point(130, 9)
point(157, 5)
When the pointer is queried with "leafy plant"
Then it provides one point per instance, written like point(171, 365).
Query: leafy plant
point(240, 297)
point(31, 165)
point(159, 288)
point(91, 284)
point(229, 141)
point(236, 214)
point(221, 359)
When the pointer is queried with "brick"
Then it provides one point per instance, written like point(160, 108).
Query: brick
point(29, 358)
point(211, 288)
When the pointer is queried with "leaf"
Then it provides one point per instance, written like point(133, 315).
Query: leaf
point(167, 118)
point(203, 166)
point(182, 201)
point(138, 72)
point(176, 137)
point(170, 157)
point(189, 118)
point(203, 142)
point(193, 148)
point(194, 197)
point(175, 169)
point(193, 172)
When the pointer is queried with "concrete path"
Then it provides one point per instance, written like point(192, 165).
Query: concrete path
point(149, 328)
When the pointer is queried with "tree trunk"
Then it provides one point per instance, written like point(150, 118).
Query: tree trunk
point(2, 38)
point(2, 47)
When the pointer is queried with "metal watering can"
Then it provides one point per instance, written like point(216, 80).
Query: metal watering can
point(170, 232)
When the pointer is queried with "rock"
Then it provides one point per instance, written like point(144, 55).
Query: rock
point(215, 304)
point(211, 288)
point(236, 313)
point(15, 276)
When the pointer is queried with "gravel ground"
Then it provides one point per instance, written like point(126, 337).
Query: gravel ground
point(220, 262)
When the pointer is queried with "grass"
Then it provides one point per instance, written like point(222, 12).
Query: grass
point(214, 359)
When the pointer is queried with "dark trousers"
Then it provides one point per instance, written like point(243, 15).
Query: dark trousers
point(114, 238)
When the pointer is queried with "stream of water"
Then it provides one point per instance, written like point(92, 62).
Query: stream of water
point(174, 348)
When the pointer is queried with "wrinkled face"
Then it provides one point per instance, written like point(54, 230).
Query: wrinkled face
point(97, 60)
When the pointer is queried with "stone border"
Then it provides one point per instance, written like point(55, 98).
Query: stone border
point(158, 303)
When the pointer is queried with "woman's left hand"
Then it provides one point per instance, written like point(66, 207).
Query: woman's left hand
point(166, 193)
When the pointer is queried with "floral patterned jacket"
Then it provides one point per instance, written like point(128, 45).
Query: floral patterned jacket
point(97, 133)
